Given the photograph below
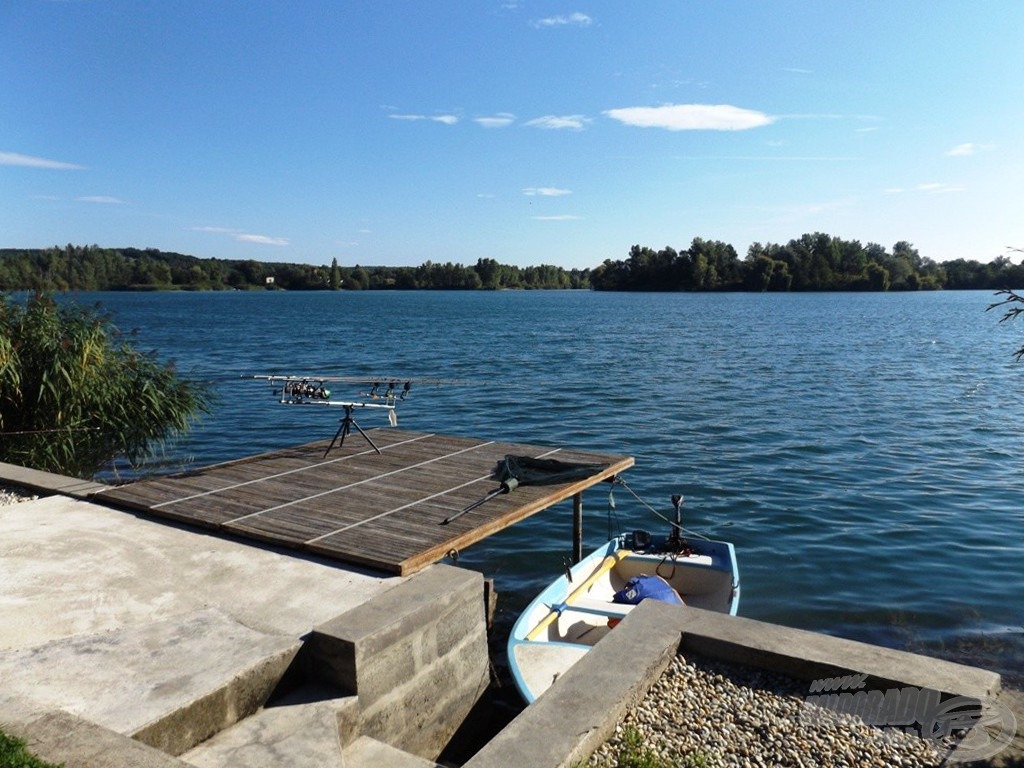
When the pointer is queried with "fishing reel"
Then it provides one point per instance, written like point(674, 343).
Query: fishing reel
point(389, 393)
point(305, 389)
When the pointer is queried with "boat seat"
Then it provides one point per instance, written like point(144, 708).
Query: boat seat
point(601, 607)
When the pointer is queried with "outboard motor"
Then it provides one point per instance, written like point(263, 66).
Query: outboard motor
point(675, 540)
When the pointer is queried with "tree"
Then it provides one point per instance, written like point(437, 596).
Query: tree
point(1012, 301)
point(335, 275)
point(74, 395)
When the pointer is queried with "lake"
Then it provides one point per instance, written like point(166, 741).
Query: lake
point(862, 451)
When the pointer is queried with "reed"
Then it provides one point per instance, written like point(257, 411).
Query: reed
point(75, 394)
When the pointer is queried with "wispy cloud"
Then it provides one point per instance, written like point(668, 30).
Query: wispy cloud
point(28, 161)
point(692, 117)
point(101, 199)
point(930, 188)
point(560, 122)
point(261, 239)
point(937, 188)
point(546, 191)
point(500, 120)
point(243, 237)
point(570, 20)
point(445, 119)
point(562, 217)
point(967, 149)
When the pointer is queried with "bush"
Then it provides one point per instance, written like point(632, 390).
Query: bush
point(74, 394)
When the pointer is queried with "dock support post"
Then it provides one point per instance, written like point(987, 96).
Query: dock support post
point(577, 528)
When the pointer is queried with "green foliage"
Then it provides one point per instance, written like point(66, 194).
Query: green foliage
point(74, 395)
point(14, 755)
point(633, 753)
point(812, 262)
point(92, 268)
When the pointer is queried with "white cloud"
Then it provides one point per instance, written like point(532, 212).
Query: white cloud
point(28, 161)
point(962, 150)
point(935, 187)
point(692, 117)
point(103, 199)
point(573, 19)
point(261, 239)
point(446, 119)
point(562, 217)
point(500, 120)
point(557, 122)
point(546, 191)
point(217, 230)
point(929, 188)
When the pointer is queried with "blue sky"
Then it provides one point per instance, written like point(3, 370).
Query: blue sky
point(529, 132)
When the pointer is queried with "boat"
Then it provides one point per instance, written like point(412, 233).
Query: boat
point(584, 604)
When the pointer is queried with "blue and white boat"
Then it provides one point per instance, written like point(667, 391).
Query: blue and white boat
point(579, 608)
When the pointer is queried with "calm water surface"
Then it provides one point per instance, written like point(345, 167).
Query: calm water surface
point(863, 452)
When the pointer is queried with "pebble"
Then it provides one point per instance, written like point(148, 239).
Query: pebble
point(708, 713)
point(10, 495)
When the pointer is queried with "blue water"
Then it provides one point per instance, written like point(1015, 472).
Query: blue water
point(862, 451)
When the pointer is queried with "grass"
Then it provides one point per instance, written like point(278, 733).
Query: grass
point(633, 754)
point(14, 755)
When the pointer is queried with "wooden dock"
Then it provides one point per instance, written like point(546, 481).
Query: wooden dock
point(380, 510)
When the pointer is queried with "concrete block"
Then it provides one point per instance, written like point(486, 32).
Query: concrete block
point(337, 647)
point(169, 684)
point(580, 710)
point(423, 713)
point(415, 655)
point(812, 655)
point(62, 738)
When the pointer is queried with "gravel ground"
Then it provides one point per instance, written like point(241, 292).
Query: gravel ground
point(706, 713)
point(10, 495)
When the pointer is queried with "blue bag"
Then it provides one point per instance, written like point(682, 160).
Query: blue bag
point(643, 586)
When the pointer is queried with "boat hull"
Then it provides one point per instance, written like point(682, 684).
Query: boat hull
point(570, 616)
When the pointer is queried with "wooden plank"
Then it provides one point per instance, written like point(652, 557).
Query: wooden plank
point(384, 511)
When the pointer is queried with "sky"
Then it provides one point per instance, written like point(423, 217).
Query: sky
point(393, 133)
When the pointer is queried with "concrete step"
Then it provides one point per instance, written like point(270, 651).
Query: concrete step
point(365, 752)
point(300, 731)
point(169, 684)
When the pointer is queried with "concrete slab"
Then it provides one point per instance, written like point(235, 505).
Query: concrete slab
point(814, 656)
point(370, 753)
point(579, 711)
point(301, 732)
point(71, 568)
point(168, 683)
point(63, 739)
point(47, 482)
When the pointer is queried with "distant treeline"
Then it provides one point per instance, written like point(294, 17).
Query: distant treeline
point(91, 268)
point(817, 262)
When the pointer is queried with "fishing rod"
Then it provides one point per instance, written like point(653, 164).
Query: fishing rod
point(380, 392)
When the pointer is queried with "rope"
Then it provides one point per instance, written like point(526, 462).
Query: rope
point(49, 431)
point(651, 509)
